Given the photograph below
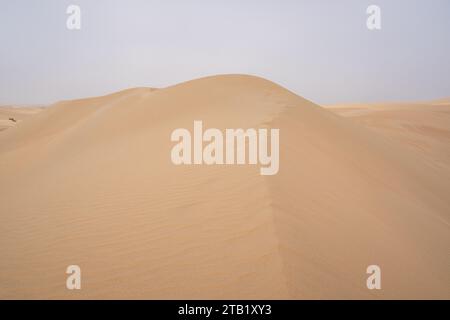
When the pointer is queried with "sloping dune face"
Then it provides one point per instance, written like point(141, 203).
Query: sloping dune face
point(423, 127)
point(91, 183)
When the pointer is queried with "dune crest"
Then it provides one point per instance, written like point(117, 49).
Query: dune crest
point(91, 182)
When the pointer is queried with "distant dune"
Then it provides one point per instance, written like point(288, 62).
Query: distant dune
point(90, 182)
point(423, 127)
point(10, 116)
point(445, 101)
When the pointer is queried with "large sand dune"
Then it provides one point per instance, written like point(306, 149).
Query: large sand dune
point(90, 182)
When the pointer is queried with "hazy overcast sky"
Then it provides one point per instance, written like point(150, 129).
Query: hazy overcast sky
point(320, 49)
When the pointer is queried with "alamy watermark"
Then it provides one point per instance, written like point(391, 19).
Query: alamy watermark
point(73, 21)
point(228, 148)
point(73, 281)
point(374, 280)
point(374, 19)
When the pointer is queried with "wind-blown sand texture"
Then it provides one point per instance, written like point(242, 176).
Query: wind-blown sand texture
point(90, 182)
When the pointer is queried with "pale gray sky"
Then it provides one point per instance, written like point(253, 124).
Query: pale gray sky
point(320, 49)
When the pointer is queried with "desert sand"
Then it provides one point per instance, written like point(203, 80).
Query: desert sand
point(11, 115)
point(90, 182)
point(423, 127)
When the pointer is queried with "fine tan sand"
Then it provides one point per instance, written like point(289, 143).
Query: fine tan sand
point(423, 127)
point(90, 182)
point(11, 115)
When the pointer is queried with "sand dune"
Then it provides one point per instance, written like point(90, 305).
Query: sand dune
point(10, 116)
point(423, 127)
point(90, 182)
